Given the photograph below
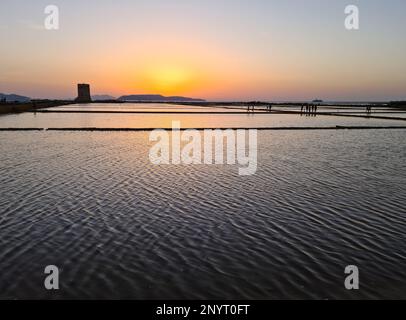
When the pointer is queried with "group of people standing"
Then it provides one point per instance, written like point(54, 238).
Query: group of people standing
point(251, 108)
point(309, 109)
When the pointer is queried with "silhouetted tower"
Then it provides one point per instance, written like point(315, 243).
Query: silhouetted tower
point(83, 93)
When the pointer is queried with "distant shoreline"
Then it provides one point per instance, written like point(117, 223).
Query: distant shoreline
point(19, 107)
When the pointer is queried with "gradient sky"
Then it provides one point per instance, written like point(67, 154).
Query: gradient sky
point(212, 49)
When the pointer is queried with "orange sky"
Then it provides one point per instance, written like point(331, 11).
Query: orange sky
point(276, 50)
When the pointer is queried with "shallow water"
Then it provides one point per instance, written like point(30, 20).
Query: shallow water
point(156, 107)
point(119, 227)
point(160, 120)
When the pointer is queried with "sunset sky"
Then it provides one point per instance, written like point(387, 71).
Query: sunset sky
point(211, 49)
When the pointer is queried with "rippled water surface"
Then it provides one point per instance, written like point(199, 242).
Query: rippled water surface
point(119, 227)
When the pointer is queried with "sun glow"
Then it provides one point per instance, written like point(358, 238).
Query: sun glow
point(168, 79)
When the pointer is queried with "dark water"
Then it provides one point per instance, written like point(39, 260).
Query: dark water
point(119, 227)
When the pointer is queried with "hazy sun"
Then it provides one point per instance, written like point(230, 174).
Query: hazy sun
point(168, 79)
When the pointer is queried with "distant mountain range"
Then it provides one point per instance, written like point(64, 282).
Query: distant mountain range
point(158, 98)
point(14, 97)
point(99, 97)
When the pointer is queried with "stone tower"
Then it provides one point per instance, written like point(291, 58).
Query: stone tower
point(83, 93)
